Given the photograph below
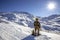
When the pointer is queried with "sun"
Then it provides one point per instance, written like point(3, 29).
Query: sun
point(51, 6)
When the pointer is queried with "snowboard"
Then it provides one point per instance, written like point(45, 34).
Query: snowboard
point(35, 34)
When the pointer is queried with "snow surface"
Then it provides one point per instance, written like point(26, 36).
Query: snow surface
point(19, 26)
point(13, 31)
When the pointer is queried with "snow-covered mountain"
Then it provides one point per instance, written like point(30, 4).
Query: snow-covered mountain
point(13, 31)
point(50, 23)
point(22, 18)
point(18, 26)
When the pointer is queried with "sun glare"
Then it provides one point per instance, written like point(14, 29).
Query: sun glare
point(51, 6)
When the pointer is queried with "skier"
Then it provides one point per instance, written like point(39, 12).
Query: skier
point(36, 27)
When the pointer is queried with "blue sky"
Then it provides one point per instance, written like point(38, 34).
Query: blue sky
point(35, 7)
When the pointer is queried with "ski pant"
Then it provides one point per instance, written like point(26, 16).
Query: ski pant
point(37, 29)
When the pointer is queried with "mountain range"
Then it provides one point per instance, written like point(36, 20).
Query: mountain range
point(50, 23)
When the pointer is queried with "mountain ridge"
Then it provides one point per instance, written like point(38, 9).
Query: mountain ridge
point(50, 23)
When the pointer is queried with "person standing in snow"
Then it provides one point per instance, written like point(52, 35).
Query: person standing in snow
point(36, 26)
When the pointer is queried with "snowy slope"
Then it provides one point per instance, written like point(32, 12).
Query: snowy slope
point(50, 23)
point(18, 26)
point(13, 31)
point(22, 18)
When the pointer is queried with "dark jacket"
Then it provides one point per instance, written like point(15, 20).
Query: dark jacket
point(37, 23)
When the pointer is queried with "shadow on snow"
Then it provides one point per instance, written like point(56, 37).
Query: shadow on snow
point(41, 37)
